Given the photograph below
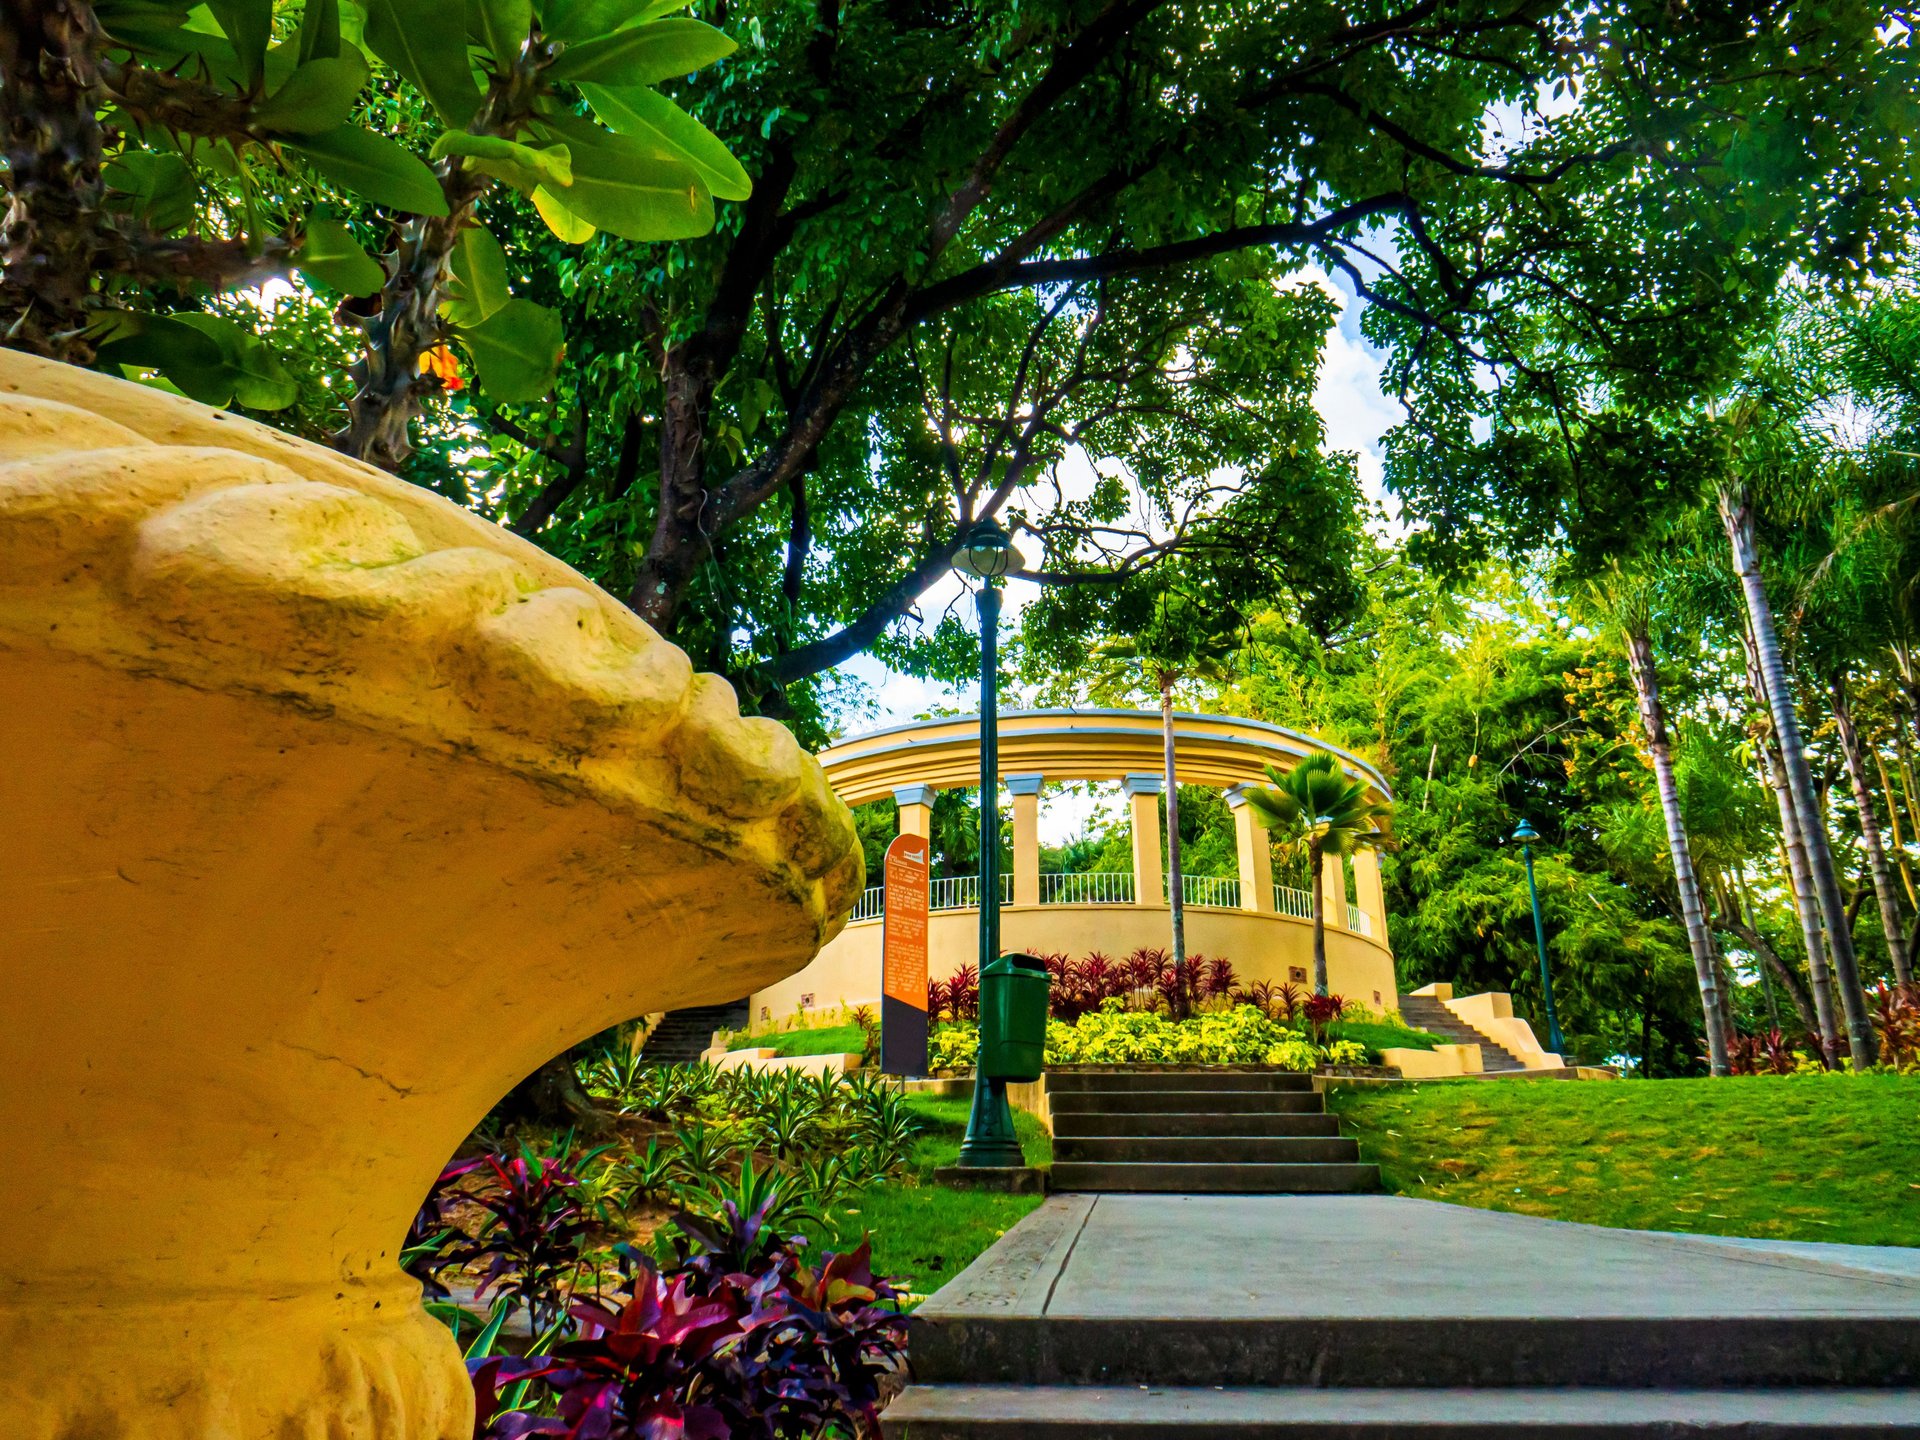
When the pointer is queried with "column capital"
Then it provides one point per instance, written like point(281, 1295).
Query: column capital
point(1022, 784)
point(1236, 793)
point(1147, 784)
point(913, 795)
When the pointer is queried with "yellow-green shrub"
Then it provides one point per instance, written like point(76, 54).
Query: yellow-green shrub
point(1114, 1035)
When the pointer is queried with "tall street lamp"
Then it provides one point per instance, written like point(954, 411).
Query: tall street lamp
point(987, 554)
point(1526, 835)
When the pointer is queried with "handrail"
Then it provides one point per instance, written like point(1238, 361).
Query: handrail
point(1289, 901)
point(962, 892)
point(1096, 888)
point(1220, 892)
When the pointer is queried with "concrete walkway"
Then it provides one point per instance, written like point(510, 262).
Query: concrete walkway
point(1117, 1315)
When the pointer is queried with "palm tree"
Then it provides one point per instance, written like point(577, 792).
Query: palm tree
point(1177, 644)
point(1626, 601)
point(1316, 805)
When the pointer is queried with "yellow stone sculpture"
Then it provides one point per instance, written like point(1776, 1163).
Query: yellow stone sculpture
point(333, 811)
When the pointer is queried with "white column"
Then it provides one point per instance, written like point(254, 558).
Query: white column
point(1144, 792)
point(1371, 895)
point(1256, 853)
point(1025, 790)
point(1333, 891)
point(916, 809)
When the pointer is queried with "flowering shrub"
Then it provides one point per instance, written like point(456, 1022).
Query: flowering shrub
point(743, 1341)
point(1115, 1035)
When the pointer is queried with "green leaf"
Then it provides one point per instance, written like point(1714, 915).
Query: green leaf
point(575, 20)
point(249, 25)
point(650, 117)
point(320, 30)
point(373, 168)
point(331, 255)
point(160, 187)
point(413, 36)
point(318, 96)
point(256, 377)
point(478, 288)
point(517, 351)
point(643, 54)
point(621, 186)
point(171, 44)
point(501, 26)
point(509, 160)
point(561, 220)
point(190, 359)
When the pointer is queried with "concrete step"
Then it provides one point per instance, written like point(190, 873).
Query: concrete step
point(1068, 1124)
point(1421, 1350)
point(1169, 1078)
point(1186, 1101)
point(1002, 1412)
point(1199, 1178)
point(1205, 1149)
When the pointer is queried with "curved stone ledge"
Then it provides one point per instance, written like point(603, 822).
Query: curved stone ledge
point(169, 537)
point(334, 811)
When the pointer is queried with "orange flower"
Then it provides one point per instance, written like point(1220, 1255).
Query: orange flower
point(441, 363)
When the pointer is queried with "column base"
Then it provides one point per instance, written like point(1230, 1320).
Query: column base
point(355, 1361)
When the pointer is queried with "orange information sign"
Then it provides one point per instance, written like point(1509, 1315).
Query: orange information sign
point(903, 962)
point(903, 944)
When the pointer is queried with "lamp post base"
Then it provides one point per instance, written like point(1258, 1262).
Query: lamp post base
point(990, 1142)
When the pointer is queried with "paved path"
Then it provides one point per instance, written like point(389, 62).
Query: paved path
point(1124, 1315)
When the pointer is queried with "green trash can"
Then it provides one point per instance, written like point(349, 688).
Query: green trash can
point(1013, 1018)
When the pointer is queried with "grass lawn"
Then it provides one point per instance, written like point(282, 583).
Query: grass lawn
point(924, 1233)
point(1834, 1159)
point(827, 1040)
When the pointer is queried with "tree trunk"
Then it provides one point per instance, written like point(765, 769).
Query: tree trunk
point(50, 138)
point(1890, 921)
point(552, 1097)
point(1800, 880)
point(1653, 721)
point(1646, 1029)
point(1315, 860)
point(1176, 885)
point(1737, 513)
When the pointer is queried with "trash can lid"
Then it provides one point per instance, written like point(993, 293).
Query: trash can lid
point(1013, 964)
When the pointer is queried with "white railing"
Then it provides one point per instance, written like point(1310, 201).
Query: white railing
point(1102, 888)
point(1218, 891)
point(962, 892)
point(1289, 901)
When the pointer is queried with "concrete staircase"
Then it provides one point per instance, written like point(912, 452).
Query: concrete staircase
point(683, 1035)
point(1423, 1012)
point(1147, 1317)
point(1198, 1132)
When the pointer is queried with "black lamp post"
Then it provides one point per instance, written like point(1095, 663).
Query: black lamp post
point(1526, 835)
point(988, 554)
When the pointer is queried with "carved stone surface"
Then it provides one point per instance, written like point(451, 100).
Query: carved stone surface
point(333, 811)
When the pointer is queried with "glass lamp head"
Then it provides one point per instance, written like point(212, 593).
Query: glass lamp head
point(987, 553)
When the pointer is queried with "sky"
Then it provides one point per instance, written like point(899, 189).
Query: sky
point(1355, 415)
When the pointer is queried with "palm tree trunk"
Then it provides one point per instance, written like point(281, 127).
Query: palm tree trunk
point(1736, 512)
point(1653, 721)
point(1315, 859)
point(1799, 875)
point(1883, 891)
point(1892, 802)
point(1176, 885)
point(1740, 920)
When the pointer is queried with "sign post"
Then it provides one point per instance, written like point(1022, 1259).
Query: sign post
point(903, 958)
